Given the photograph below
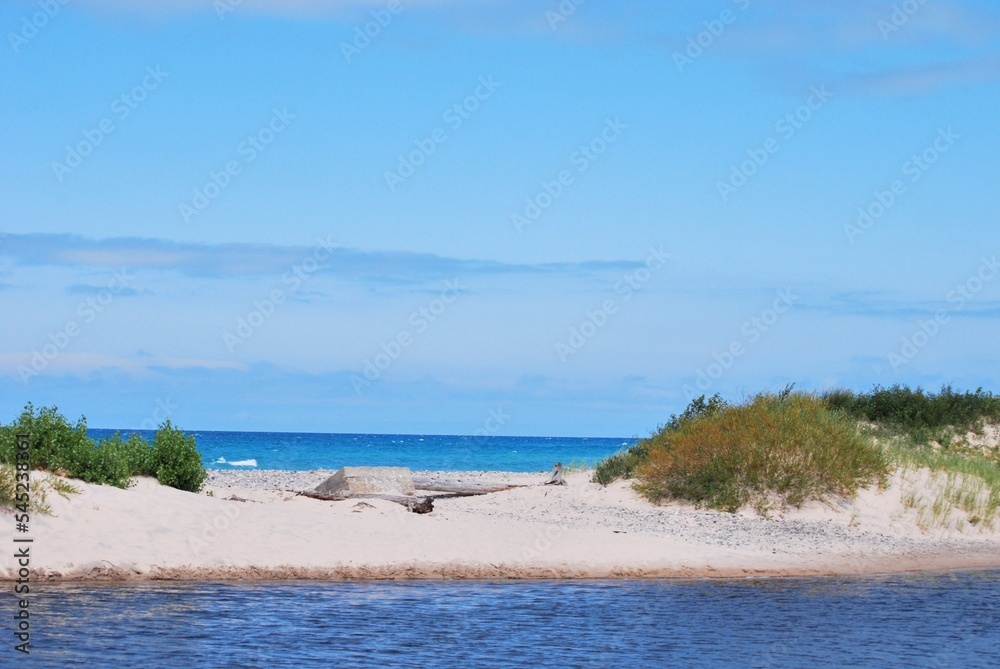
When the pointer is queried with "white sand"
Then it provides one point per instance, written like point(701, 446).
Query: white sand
point(580, 530)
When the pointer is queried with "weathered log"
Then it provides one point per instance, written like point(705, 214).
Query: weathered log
point(460, 488)
point(556, 478)
point(414, 504)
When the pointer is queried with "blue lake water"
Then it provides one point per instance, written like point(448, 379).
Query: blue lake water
point(305, 451)
point(931, 620)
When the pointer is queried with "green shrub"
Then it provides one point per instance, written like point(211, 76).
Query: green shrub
point(621, 465)
point(785, 448)
point(176, 460)
point(918, 411)
point(56, 444)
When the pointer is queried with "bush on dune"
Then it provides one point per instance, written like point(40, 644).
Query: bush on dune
point(776, 448)
point(55, 444)
point(787, 449)
point(174, 459)
point(625, 463)
point(903, 408)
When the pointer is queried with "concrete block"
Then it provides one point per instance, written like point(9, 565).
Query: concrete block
point(368, 481)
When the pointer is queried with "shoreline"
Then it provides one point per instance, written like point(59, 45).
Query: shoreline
point(430, 572)
point(255, 528)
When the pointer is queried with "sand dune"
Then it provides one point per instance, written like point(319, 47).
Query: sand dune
point(580, 530)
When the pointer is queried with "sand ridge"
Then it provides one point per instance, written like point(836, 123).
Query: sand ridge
point(581, 530)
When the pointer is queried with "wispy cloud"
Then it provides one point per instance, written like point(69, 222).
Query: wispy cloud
point(73, 363)
point(922, 78)
point(89, 289)
point(884, 306)
point(253, 260)
point(291, 8)
point(869, 47)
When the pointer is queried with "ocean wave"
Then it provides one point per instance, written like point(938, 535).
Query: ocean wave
point(237, 463)
point(244, 463)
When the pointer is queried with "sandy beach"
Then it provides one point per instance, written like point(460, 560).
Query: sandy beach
point(254, 526)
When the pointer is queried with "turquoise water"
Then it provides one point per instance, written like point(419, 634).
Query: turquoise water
point(305, 451)
point(931, 620)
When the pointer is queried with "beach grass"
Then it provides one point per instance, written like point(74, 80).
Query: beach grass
point(55, 444)
point(962, 479)
point(774, 450)
point(787, 447)
point(40, 489)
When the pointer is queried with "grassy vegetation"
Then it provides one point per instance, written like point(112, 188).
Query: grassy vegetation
point(917, 412)
point(966, 481)
point(789, 447)
point(625, 463)
point(58, 445)
point(772, 450)
point(40, 489)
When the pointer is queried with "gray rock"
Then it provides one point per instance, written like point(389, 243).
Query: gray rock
point(368, 481)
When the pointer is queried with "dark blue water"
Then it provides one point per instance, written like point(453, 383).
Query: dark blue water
point(931, 620)
point(304, 451)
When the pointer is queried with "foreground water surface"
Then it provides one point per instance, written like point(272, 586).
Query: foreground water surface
point(929, 620)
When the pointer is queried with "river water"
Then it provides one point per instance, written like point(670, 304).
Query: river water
point(936, 620)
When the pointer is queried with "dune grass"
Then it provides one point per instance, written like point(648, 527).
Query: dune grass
point(56, 444)
point(960, 479)
point(788, 447)
point(774, 450)
point(40, 489)
point(625, 463)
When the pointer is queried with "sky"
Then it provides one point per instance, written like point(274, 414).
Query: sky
point(524, 218)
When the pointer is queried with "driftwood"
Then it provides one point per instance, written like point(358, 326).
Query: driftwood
point(448, 488)
point(460, 488)
point(556, 478)
point(414, 504)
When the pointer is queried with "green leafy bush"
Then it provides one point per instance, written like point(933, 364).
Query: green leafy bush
point(176, 460)
point(173, 457)
point(902, 408)
point(54, 441)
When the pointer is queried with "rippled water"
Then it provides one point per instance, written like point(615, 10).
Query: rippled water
point(930, 620)
point(304, 451)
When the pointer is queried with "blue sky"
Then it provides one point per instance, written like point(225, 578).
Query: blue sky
point(247, 216)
